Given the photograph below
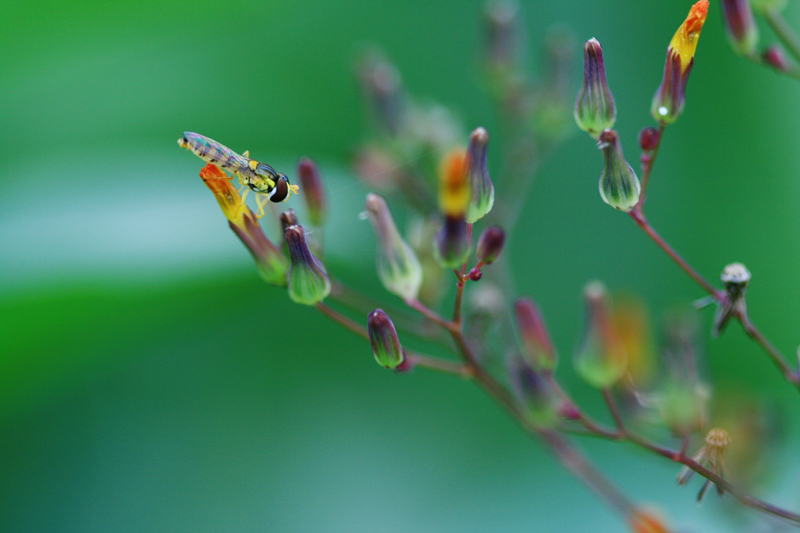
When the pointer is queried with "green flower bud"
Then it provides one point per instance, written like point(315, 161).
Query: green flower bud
point(398, 267)
point(533, 392)
point(383, 338)
point(308, 281)
point(619, 186)
point(480, 184)
point(595, 110)
point(537, 348)
point(601, 360)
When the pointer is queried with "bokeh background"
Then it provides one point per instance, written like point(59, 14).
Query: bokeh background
point(149, 381)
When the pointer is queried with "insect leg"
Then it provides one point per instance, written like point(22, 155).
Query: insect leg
point(261, 199)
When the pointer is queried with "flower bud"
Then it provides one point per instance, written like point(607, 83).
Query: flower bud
point(481, 188)
point(452, 243)
point(490, 244)
point(502, 41)
point(536, 346)
point(454, 184)
point(619, 185)
point(533, 392)
point(398, 267)
point(308, 280)
point(735, 277)
point(683, 406)
point(776, 58)
point(270, 261)
point(601, 360)
point(383, 338)
point(314, 193)
point(740, 26)
point(648, 139)
point(670, 98)
point(383, 89)
point(595, 110)
point(288, 218)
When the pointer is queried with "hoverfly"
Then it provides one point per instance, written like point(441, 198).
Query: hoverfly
point(258, 176)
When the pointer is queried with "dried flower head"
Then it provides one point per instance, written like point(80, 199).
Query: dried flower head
point(711, 456)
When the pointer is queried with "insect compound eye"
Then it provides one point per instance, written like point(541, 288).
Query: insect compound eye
point(281, 190)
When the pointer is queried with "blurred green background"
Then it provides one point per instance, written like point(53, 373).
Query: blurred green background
point(150, 382)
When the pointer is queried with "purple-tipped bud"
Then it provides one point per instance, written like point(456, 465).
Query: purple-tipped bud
point(383, 338)
point(776, 57)
point(398, 267)
point(480, 184)
point(452, 243)
point(533, 392)
point(536, 346)
point(601, 360)
point(308, 280)
point(288, 218)
point(595, 110)
point(311, 184)
point(490, 244)
point(619, 185)
point(648, 139)
point(740, 26)
point(735, 277)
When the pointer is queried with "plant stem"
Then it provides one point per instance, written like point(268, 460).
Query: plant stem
point(441, 365)
point(613, 408)
point(754, 333)
point(646, 169)
point(784, 32)
point(358, 329)
point(430, 314)
point(642, 222)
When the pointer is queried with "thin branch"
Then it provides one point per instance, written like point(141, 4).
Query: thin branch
point(441, 365)
point(613, 408)
point(642, 222)
point(356, 328)
point(784, 32)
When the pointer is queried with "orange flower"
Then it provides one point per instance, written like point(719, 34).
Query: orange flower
point(226, 194)
point(454, 193)
point(685, 39)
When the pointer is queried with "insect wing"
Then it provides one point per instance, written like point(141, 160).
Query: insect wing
point(213, 152)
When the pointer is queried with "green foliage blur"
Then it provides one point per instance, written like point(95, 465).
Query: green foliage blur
point(149, 381)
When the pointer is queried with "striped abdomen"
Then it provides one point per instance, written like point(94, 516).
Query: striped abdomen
point(213, 152)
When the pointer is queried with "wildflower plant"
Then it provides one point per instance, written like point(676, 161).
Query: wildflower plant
point(421, 161)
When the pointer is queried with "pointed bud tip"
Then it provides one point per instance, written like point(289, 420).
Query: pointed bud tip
point(490, 244)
